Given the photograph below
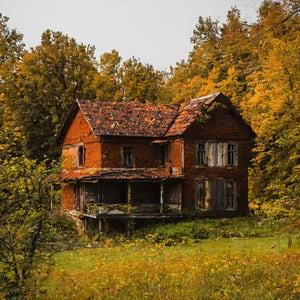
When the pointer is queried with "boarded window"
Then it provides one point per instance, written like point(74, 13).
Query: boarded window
point(216, 154)
point(215, 194)
point(127, 156)
point(81, 156)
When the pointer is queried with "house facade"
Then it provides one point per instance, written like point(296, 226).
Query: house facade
point(133, 160)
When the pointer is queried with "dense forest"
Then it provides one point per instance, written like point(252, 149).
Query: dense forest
point(256, 65)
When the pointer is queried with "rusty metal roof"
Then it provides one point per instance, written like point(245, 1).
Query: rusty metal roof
point(128, 118)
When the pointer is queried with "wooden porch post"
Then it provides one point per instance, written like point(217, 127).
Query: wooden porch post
point(100, 226)
point(128, 193)
point(161, 210)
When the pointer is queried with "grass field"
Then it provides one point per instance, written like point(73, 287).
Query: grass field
point(214, 268)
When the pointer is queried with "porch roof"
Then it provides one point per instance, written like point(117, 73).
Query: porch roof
point(126, 174)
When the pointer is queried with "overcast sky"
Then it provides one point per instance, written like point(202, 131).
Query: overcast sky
point(157, 32)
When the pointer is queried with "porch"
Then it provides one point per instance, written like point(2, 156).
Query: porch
point(129, 198)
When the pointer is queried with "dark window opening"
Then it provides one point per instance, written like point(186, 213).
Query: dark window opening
point(231, 154)
point(127, 156)
point(91, 192)
point(163, 154)
point(200, 154)
point(81, 156)
point(201, 193)
point(229, 194)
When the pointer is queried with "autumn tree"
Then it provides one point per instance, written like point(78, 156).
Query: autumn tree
point(273, 104)
point(221, 59)
point(11, 52)
point(107, 82)
point(48, 79)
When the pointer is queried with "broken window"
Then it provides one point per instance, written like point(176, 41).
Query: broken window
point(127, 156)
point(231, 154)
point(201, 193)
point(81, 156)
point(215, 194)
point(163, 154)
point(200, 154)
point(230, 194)
point(91, 192)
point(216, 154)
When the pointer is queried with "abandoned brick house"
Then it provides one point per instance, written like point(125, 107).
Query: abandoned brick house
point(134, 160)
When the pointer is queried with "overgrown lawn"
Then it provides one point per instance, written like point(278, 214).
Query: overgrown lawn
point(223, 268)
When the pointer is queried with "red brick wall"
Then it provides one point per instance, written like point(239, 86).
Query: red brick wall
point(80, 133)
point(145, 154)
point(68, 196)
point(223, 127)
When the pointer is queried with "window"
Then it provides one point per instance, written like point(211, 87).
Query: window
point(216, 154)
point(91, 192)
point(201, 193)
point(127, 156)
point(231, 154)
point(215, 194)
point(163, 154)
point(230, 194)
point(81, 156)
point(200, 154)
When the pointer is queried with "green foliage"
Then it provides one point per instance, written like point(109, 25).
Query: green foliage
point(29, 228)
point(47, 80)
point(126, 81)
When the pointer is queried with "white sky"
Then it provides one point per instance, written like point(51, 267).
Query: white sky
point(157, 32)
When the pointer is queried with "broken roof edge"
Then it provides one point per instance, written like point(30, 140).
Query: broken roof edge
point(207, 101)
point(67, 121)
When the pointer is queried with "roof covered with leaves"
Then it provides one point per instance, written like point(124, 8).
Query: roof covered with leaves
point(128, 118)
point(137, 119)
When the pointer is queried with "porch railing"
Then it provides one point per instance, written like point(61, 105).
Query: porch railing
point(121, 209)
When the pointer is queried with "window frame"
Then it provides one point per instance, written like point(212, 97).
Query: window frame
point(127, 156)
point(232, 194)
point(201, 192)
point(216, 154)
point(201, 154)
point(81, 156)
point(163, 154)
point(214, 193)
point(232, 154)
